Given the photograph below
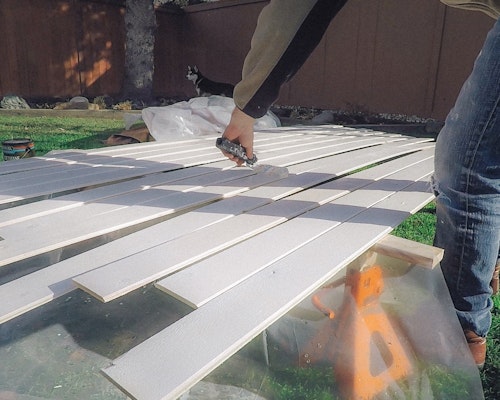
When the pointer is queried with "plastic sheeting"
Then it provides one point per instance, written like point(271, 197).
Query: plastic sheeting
point(57, 350)
point(391, 337)
point(400, 340)
point(196, 117)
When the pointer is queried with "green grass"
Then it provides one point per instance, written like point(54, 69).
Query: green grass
point(304, 383)
point(57, 133)
point(419, 227)
point(53, 133)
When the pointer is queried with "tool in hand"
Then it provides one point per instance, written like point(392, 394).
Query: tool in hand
point(235, 149)
point(238, 150)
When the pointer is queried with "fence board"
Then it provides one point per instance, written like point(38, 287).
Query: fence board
point(390, 56)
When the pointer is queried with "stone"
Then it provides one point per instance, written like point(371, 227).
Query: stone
point(79, 103)
point(326, 117)
point(14, 103)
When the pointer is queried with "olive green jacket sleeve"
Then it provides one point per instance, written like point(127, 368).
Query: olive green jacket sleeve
point(286, 34)
point(490, 7)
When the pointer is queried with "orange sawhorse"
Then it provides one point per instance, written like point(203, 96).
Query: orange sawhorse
point(360, 342)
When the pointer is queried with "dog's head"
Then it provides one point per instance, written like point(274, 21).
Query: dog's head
point(192, 73)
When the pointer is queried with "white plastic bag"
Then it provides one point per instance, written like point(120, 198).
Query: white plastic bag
point(196, 117)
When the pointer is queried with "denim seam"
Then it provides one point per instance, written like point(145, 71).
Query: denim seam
point(467, 186)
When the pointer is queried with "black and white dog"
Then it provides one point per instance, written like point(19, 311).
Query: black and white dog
point(206, 87)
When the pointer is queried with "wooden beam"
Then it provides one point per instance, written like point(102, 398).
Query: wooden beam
point(413, 252)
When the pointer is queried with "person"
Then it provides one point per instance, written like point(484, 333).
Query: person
point(467, 187)
point(466, 180)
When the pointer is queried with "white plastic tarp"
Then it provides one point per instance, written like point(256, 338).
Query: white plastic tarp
point(196, 117)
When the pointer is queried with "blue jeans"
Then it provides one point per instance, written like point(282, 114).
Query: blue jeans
point(467, 187)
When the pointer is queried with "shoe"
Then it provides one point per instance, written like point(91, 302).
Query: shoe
point(477, 347)
point(494, 280)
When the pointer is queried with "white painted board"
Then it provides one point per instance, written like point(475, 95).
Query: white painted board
point(122, 276)
point(156, 369)
point(212, 276)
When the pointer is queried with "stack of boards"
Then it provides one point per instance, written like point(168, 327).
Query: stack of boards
point(219, 238)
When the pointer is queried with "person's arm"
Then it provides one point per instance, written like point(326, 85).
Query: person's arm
point(490, 7)
point(286, 34)
point(240, 130)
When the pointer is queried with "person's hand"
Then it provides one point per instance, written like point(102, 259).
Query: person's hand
point(240, 130)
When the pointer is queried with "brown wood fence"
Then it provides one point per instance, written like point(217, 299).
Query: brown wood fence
point(60, 48)
point(392, 56)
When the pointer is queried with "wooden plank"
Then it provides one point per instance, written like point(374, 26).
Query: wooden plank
point(99, 219)
point(281, 134)
point(120, 213)
point(34, 163)
point(55, 279)
point(40, 287)
point(229, 322)
point(50, 206)
point(290, 158)
point(211, 277)
point(37, 288)
point(142, 152)
point(55, 158)
point(179, 253)
point(99, 170)
point(44, 165)
point(64, 182)
point(93, 167)
point(33, 210)
point(413, 252)
point(40, 190)
point(335, 145)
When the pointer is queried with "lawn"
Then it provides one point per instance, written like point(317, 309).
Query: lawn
point(53, 133)
point(58, 133)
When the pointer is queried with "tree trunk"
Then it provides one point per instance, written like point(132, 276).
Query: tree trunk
point(140, 25)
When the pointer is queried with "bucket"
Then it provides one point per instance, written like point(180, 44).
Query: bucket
point(15, 149)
